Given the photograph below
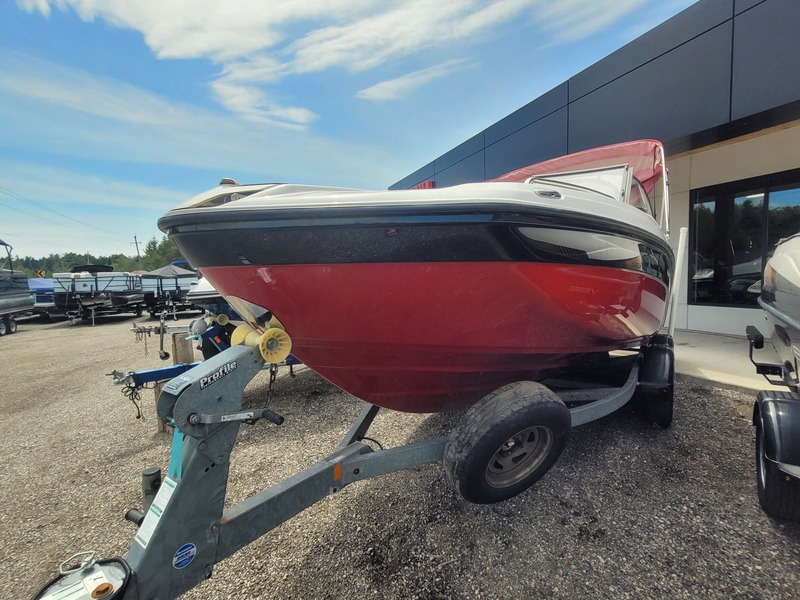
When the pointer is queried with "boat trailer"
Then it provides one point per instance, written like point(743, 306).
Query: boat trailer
point(776, 417)
point(184, 529)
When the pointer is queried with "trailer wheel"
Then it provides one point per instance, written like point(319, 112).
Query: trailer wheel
point(12, 325)
point(506, 442)
point(3, 327)
point(779, 498)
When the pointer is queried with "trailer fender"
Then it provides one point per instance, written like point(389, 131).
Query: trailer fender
point(779, 415)
point(656, 387)
point(657, 375)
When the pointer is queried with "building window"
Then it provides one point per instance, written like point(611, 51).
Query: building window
point(734, 229)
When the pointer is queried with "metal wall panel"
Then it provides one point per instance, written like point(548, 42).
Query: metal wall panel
point(544, 105)
point(537, 142)
point(677, 94)
point(468, 170)
point(418, 176)
point(743, 5)
point(685, 26)
point(766, 57)
point(460, 152)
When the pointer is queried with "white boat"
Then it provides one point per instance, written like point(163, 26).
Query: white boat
point(89, 290)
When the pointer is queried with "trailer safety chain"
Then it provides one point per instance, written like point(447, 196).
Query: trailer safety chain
point(131, 392)
point(142, 333)
point(273, 374)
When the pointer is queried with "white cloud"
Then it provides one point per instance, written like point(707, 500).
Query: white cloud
point(47, 210)
point(102, 118)
point(406, 28)
point(400, 87)
point(571, 20)
point(256, 46)
point(75, 89)
point(50, 184)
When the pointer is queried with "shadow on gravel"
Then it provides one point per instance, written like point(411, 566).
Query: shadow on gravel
point(628, 509)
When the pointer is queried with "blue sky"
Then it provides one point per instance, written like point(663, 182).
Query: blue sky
point(113, 111)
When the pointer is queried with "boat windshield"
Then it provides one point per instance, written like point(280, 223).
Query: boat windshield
point(617, 183)
point(221, 199)
point(610, 182)
point(639, 198)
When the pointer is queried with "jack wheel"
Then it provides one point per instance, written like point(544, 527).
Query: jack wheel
point(506, 442)
point(778, 494)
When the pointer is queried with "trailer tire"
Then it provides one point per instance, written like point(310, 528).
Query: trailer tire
point(506, 442)
point(779, 498)
point(12, 325)
point(3, 327)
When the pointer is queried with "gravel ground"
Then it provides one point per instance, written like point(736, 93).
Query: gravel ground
point(627, 511)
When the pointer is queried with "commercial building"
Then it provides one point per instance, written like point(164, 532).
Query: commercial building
point(719, 84)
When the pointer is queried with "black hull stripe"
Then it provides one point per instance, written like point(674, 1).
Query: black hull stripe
point(464, 239)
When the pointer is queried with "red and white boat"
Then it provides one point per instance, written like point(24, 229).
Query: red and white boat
point(416, 300)
point(427, 300)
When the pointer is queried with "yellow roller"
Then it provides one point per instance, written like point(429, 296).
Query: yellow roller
point(244, 334)
point(275, 345)
point(222, 320)
point(273, 322)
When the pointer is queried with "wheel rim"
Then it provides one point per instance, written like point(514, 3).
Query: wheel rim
point(519, 456)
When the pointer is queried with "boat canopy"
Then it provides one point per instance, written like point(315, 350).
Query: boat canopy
point(170, 270)
point(645, 157)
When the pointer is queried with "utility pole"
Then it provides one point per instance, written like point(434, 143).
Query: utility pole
point(138, 258)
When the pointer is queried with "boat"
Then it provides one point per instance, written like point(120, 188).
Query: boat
point(167, 288)
point(42, 288)
point(15, 295)
point(88, 290)
point(426, 300)
point(776, 414)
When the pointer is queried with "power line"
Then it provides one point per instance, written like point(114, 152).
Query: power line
point(38, 205)
point(28, 213)
point(24, 237)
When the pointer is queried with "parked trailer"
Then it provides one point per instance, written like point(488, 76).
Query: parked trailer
point(88, 291)
point(185, 529)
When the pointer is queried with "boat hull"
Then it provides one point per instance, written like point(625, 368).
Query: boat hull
point(15, 295)
point(780, 299)
point(434, 336)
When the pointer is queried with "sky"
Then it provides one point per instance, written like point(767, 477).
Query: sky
point(114, 111)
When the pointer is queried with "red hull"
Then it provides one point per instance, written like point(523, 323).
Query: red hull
point(426, 337)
